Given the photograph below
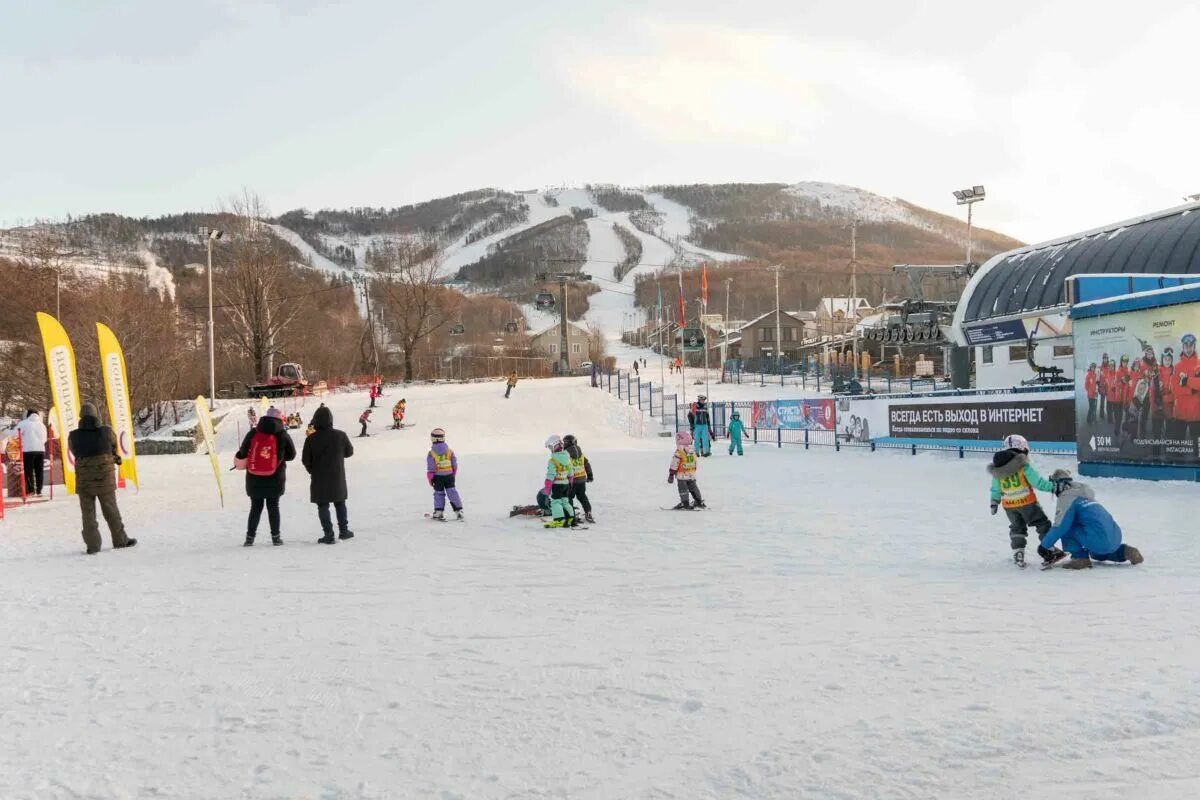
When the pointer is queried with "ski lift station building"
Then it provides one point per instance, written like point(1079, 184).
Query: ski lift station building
point(1023, 291)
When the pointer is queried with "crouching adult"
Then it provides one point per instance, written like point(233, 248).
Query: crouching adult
point(1085, 528)
point(94, 447)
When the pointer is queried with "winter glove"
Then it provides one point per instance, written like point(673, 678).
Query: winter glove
point(589, 480)
point(429, 477)
point(117, 460)
point(671, 476)
point(549, 486)
point(995, 508)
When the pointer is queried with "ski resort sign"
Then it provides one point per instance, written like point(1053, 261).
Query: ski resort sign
point(1037, 419)
point(813, 415)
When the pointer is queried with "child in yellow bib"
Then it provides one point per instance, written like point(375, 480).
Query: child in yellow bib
point(1014, 481)
point(683, 473)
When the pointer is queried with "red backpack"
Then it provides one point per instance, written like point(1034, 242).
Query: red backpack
point(263, 458)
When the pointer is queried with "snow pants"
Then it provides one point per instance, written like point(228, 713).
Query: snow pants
point(363, 432)
point(112, 516)
point(688, 486)
point(735, 444)
point(579, 492)
point(1023, 518)
point(443, 487)
point(34, 464)
point(703, 440)
point(560, 502)
point(1091, 415)
point(1072, 546)
point(339, 508)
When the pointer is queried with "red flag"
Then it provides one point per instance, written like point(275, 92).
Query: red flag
point(704, 285)
point(682, 307)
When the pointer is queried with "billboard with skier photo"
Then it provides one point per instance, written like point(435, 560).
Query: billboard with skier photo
point(813, 415)
point(1137, 386)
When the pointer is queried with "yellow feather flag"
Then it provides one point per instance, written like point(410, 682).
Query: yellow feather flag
point(116, 388)
point(210, 441)
point(263, 405)
point(64, 387)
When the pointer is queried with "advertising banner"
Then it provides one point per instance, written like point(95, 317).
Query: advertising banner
point(64, 387)
point(815, 415)
point(116, 389)
point(1137, 379)
point(210, 442)
point(1037, 419)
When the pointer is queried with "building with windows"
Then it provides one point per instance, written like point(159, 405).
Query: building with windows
point(839, 315)
point(548, 341)
point(758, 336)
point(1020, 296)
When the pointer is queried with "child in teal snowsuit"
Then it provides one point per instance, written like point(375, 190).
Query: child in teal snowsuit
point(558, 484)
point(736, 431)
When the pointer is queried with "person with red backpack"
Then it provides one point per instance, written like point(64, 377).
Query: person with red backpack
point(265, 451)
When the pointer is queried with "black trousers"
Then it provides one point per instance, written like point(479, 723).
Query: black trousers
point(1091, 417)
point(339, 507)
point(256, 509)
point(579, 492)
point(34, 467)
point(363, 432)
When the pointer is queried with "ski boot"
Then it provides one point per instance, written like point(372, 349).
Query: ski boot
point(683, 507)
point(700, 504)
point(276, 539)
point(439, 515)
point(588, 518)
point(1019, 558)
point(458, 514)
point(1050, 556)
point(555, 523)
point(249, 540)
point(128, 543)
point(346, 534)
point(327, 538)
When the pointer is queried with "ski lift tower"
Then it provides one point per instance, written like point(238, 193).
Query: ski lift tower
point(563, 278)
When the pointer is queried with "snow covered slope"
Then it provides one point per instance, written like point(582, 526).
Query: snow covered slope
point(850, 201)
point(837, 625)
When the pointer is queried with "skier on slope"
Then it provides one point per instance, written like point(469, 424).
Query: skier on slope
point(398, 414)
point(441, 470)
point(736, 431)
point(581, 474)
point(1013, 482)
point(363, 419)
point(698, 421)
point(559, 477)
point(1085, 527)
point(683, 472)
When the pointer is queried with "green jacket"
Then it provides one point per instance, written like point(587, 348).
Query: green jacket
point(1020, 463)
point(736, 429)
point(559, 468)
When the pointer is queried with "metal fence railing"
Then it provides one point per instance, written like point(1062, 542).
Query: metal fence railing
point(653, 399)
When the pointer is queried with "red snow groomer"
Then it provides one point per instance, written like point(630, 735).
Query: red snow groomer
point(288, 381)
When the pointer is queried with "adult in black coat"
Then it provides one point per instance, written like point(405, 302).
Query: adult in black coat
point(324, 456)
point(265, 490)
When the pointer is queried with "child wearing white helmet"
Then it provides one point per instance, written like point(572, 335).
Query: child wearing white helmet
point(441, 470)
point(559, 476)
point(683, 473)
point(1014, 480)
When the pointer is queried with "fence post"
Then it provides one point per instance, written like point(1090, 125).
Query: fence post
point(806, 438)
point(779, 437)
point(914, 449)
point(837, 444)
point(755, 435)
point(961, 452)
point(872, 445)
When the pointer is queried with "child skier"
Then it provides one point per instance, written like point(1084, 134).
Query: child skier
point(363, 419)
point(558, 484)
point(1013, 482)
point(512, 384)
point(398, 414)
point(581, 474)
point(1085, 527)
point(441, 468)
point(683, 467)
point(736, 431)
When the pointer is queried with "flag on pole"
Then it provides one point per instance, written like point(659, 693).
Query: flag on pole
point(704, 286)
point(210, 442)
point(116, 389)
point(682, 306)
point(64, 387)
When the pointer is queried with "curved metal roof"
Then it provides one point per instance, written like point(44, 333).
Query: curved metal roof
point(1031, 278)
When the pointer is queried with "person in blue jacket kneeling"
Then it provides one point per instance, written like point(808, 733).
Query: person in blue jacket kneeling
point(1085, 528)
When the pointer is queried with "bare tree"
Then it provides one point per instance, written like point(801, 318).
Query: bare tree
point(47, 248)
point(416, 303)
point(253, 285)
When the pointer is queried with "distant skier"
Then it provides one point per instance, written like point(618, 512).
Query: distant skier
point(1085, 527)
point(398, 414)
point(636, 367)
point(324, 457)
point(683, 473)
point(363, 419)
point(441, 469)
point(512, 384)
point(698, 420)
point(1013, 482)
point(373, 392)
point(581, 474)
point(251, 417)
point(34, 441)
point(736, 431)
point(558, 484)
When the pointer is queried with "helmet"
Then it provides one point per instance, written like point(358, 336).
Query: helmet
point(274, 412)
point(569, 440)
point(1016, 442)
point(735, 415)
point(702, 398)
point(1062, 480)
point(1188, 338)
point(554, 442)
point(683, 438)
point(438, 435)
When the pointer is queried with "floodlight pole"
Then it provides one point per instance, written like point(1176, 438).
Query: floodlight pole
point(970, 207)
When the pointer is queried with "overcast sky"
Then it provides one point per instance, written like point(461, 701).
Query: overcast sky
point(1072, 115)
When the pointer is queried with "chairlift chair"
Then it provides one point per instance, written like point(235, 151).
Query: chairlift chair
point(458, 329)
point(545, 300)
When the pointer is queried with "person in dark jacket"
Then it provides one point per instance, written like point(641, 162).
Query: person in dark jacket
point(94, 447)
point(324, 456)
point(265, 490)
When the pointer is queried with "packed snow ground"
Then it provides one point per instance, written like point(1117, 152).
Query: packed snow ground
point(838, 625)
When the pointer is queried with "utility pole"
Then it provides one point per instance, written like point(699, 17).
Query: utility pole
point(854, 288)
point(210, 236)
point(778, 320)
point(725, 344)
point(366, 287)
point(682, 355)
point(564, 360)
